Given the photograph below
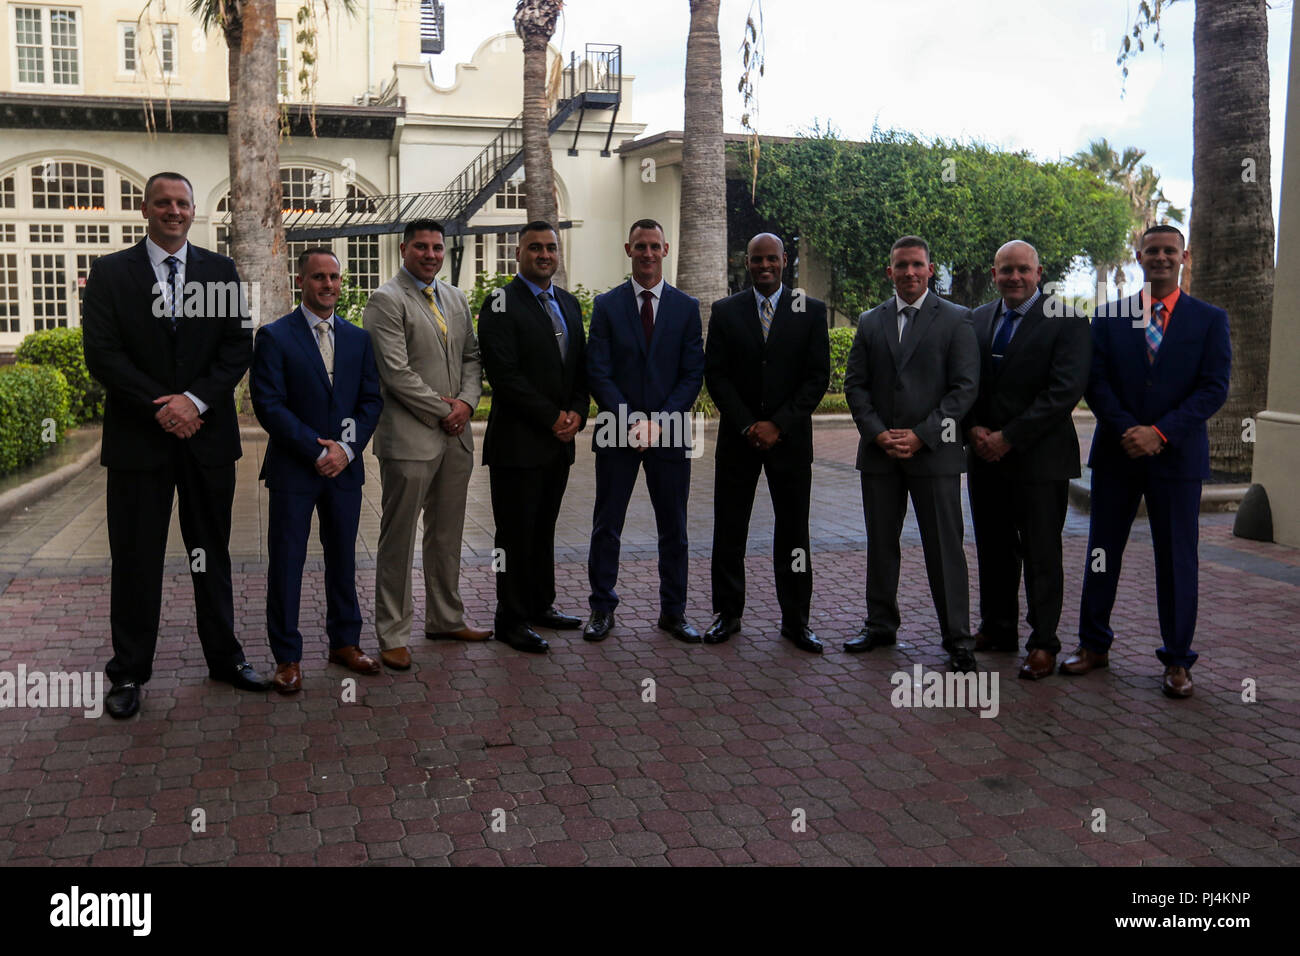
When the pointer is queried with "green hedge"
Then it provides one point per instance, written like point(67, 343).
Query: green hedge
point(62, 349)
point(841, 342)
point(30, 396)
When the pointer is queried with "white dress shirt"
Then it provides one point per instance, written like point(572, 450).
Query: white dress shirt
point(656, 292)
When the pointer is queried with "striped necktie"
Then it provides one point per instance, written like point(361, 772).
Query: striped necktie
point(765, 313)
point(437, 312)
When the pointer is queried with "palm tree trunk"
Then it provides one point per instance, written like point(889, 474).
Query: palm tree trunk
point(1232, 205)
point(702, 254)
point(257, 233)
point(539, 174)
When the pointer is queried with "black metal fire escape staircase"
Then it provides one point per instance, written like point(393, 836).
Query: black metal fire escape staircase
point(596, 83)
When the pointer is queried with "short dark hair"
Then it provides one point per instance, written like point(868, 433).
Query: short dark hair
point(422, 225)
point(306, 255)
point(1163, 227)
point(174, 176)
point(538, 225)
point(910, 242)
point(645, 224)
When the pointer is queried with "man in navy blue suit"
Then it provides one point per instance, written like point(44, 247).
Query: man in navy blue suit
point(645, 364)
point(315, 389)
point(1160, 366)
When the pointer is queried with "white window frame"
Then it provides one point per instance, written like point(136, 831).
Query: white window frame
point(125, 27)
point(160, 32)
point(47, 48)
point(284, 52)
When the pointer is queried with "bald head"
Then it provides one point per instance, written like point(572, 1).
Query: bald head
point(1016, 271)
point(765, 259)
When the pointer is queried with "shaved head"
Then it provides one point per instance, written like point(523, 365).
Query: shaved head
point(1015, 245)
point(766, 235)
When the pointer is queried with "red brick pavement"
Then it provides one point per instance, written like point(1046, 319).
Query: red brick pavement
point(742, 741)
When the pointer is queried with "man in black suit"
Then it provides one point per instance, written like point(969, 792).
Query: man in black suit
point(912, 375)
point(531, 341)
point(169, 369)
point(767, 365)
point(1035, 353)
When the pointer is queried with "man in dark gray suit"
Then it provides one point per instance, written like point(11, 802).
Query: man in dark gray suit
point(912, 375)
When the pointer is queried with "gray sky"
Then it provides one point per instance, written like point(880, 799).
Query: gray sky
point(1038, 76)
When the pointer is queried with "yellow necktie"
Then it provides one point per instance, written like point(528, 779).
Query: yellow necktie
point(437, 312)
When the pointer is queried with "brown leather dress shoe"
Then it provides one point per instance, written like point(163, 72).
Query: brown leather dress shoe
point(1178, 682)
point(352, 658)
point(288, 678)
point(1083, 660)
point(466, 633)
point(985, 643)
point(399, 659)
point(1037, 665)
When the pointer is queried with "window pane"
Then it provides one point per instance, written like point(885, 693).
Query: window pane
point(63, 47)
point(168, 50)
point(128, 47)
point(132, 196)
point(30, 44)
point(49, 284)
point(9, 292)
point(65, 185)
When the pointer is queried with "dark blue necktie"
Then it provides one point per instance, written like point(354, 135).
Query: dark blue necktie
point(557, 322)
point(173, 265)
point(1003, 338)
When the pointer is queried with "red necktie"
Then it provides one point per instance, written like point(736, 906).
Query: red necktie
point(648, 315)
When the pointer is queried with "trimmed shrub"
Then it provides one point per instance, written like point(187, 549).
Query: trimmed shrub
point(62, 349)
point(841, 343)
point(33, 407)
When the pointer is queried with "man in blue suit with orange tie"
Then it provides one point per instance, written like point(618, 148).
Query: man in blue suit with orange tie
point(645, 365)
point(315, 389)
point(1160, 367)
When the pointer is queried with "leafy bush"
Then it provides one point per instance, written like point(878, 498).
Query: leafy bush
point(33, 408)
point(62, 349)
point(841, 343)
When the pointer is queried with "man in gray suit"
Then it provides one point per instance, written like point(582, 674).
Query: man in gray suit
point(431, 378)
point(912, 375)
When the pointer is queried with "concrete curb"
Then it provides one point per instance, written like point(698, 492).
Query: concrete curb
point(15, 499)
point(1214, 498)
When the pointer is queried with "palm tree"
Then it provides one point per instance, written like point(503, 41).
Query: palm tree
point(702, 253)
point(1232, 232)
point(253, 140)
point(535, 23)
point(1140, 185)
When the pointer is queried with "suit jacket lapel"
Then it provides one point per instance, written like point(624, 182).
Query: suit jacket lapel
point(889, 329)
point(1028, 322)
point(916, 329)
point(420, 307)
point(306, 340)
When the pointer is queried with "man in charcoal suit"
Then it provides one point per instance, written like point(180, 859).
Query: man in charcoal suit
point(1035, 354)
point(315, 390)
point(533, 355)
point(645, 363)
point(912, 375)
point(169, 369)
point(767, 368)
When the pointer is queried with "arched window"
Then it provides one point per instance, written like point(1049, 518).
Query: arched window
point(308, 191)
point(57, 216)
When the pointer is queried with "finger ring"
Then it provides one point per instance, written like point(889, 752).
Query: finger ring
point(172, 422)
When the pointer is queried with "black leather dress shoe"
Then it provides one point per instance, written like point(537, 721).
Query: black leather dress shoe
point(679, 629)
point(556, 621)
point(523, 638)
point(867, 640)
point(123, 699)
point(242, 676)
point(598, 628)
point(803, 639)
point(722, 629)
point(962, 662)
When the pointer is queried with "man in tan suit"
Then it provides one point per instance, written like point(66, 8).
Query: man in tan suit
point(431, 377)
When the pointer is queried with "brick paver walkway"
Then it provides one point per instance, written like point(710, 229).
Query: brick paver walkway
point(751, 751)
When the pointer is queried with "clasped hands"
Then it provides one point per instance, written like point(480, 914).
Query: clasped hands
point(566, 426)
point(178, 415)
point(1141, 441)
point(458, 419)
point(763, 435)
point(989, 445)
point(899, 442)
